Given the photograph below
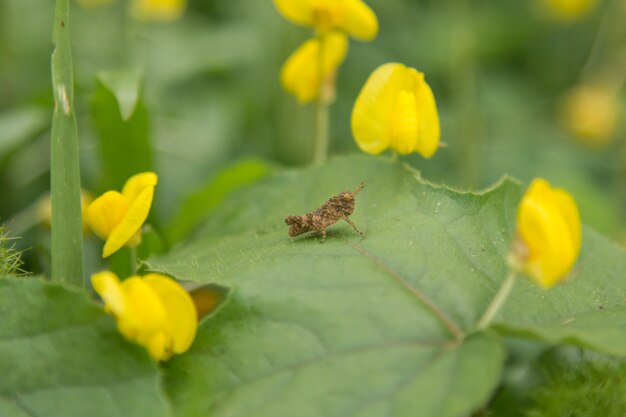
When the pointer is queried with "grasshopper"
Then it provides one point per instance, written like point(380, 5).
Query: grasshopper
point(339, 207)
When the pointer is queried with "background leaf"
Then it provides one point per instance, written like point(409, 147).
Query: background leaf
point(126, 87)
point(200, 203)
point(121, 121)
point(61, 356)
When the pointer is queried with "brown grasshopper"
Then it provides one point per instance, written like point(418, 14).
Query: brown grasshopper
point(337, 208)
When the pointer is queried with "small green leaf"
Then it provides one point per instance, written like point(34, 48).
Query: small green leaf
point(122, 124)
point(126, 87)
point(200, 203)
point(61, 356)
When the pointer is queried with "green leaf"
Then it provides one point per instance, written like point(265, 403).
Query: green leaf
point(381, 324)
point(122, 124)
point(61, 356)
point(200, 203)
point(67, 228)
point(126, 87)
point(326, 329)
point(247, 364)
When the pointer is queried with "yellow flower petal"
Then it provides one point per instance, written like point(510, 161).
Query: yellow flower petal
point(158, 346)
point(396, 108)
point(134, 217)
point(374, 106)
point(299, 12)
point(404, 123)
point(106, 212)
point(352, 16)
point(107, 285)
point(181, 311)
point(158, 10)
point(300, 74)
point(549, 226)
point(137, 308)
point(429, 133)
point(145, 315)
point(154, 311)
point(358, 20)
point(117, 217)
point(137, 183)
point(568, 210)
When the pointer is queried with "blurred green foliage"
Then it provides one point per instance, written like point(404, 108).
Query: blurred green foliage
point(542, 381)
point(210, 95)
point(589, 387)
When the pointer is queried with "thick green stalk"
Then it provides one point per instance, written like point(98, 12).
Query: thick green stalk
point(67, 238)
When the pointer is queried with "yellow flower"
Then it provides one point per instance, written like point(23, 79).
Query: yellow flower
point(548, 234)
point(301, 76)
point(351, 16)
point(117, 217)
point(159, 10)
point(568, 10)
point(591, 113)
point(153, 311)
point(396, 109)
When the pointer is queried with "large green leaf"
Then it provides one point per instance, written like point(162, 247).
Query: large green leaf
point(382, 324)
point(61, 356)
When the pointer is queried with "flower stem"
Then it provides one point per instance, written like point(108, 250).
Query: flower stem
point(320, 146)
point(497, 302)
point(67, 233)
point(321, 126)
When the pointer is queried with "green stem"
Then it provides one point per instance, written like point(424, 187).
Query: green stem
point(67, 237)
point(497, 302)
point(320, 139)
point(320, 146)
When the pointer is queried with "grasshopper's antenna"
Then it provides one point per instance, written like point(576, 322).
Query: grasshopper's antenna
point(359, 188)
